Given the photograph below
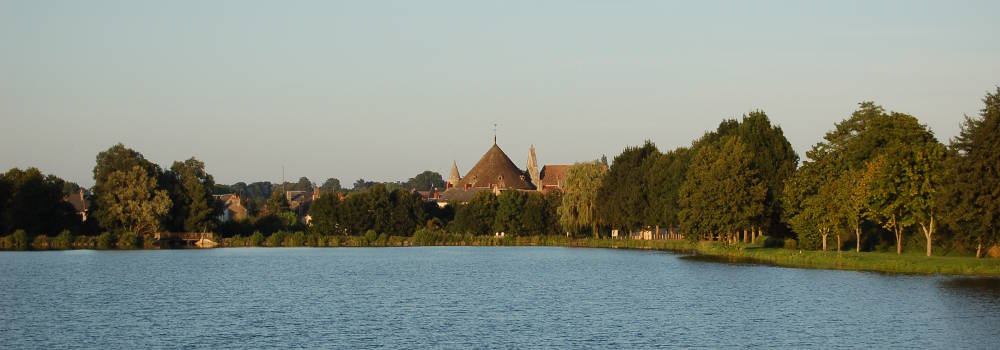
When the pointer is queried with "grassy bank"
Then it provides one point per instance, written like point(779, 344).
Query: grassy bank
point(847, 260)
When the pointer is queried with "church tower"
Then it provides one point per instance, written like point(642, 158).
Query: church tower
point(454, 178)
point(532, 168)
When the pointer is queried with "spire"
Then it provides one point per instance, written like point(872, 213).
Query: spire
point(494, 134)
point(532, 168)
point(454, 177)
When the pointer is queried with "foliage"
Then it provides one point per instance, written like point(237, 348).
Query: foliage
point(972, 194)
point(106, 240)
point(426, 181)
point(34, 202)
point(510, 206)
point(578, 209)
point(107, 207)
point(721, 192)
point(132, 201)
point(622, 196)
point(477, 216)
point(331, 185)
point(190, 190)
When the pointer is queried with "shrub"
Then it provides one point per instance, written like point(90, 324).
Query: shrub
point(771, 242)
point(129, 240)
point(297, 239)
point(370, 237)
point(18, 240)
point(383, 240)
point(106, 240)
point(256, 239)
point(41, 242)
point(63, 241)
point(790, 244)
point(276, 239)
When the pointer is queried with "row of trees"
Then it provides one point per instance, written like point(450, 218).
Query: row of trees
point(873, 179)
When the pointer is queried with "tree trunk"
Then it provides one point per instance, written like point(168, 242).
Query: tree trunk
point(824, 242)
point(928, 233)
point(979, 250)
point(857, 233)
point(656, 235)
point(596, 235)
point(838, 243)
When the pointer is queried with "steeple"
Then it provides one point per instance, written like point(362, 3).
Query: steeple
point(454, 178)
point(532, 168)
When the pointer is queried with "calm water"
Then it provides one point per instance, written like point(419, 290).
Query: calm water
point(462, 297)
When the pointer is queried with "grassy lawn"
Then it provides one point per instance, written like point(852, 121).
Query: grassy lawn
point(846, 260)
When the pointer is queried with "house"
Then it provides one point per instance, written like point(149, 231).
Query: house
point(495, 172)
point(232, 207)
point(300, 201)
point(80, 203)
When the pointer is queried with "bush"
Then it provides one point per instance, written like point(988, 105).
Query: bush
point(63, 241)
point(383, 240)
point(41, 242)
point(790, 244)
point(370, 237)
point(106, 240)
point(276, 239)
point(129, 240)
point(770, 242)
point(256, 239)
point(297, 239)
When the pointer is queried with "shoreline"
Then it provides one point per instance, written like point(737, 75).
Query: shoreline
point(880, 262)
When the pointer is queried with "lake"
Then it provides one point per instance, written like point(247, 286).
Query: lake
point(464, 297)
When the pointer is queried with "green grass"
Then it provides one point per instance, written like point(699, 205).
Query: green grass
point(846, 260)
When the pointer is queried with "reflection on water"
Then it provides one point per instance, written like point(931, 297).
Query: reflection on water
point(472, 297)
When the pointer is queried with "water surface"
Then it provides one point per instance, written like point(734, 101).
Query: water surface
point(461, 297)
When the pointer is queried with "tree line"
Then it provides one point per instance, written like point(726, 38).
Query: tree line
point(879, 180)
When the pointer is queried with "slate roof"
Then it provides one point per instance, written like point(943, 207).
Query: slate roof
point(495, 169)
point(460, 195)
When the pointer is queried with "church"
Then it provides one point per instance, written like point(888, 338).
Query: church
point(495, 172)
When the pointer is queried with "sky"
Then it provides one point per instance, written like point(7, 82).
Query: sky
point(383, 90)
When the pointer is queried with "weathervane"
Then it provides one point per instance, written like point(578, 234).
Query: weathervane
point(494, 133)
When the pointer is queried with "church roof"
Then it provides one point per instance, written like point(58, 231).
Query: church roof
point(495, 169)
point(454, 177)
point(554, 174)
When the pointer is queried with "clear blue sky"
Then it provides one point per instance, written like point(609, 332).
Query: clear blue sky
point(383, 90)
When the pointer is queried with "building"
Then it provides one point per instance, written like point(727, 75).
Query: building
point(80, 203)
point(232, 207)
point(300, 201)
point(495, 172)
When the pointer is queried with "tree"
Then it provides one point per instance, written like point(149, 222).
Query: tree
point(476, 216)
point(510, 207)
point(623, 193)
point(578, 207)
point(32, 201)
point(665, 179)
point(325, 213)
point(922, 168)
point(972, 188)
point(116, 158)
point(355, 213)
point(190, 192)
point(331, 185)
point(407, 212)
point(277, 203)
point(535, 214)
point(426, 181)
point(722, 192)
point(134, 203)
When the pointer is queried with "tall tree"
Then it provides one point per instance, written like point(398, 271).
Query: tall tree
point(578, 208)
point(973, 186)
point(623, 193)
point(134, 203)
point(193, 207)
point(325, 213)
point(32, 201)
point(510, 208)
point(722, 192)
point(331, 185)
point(116, 158)
point(426, 181)
point(665, 179)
